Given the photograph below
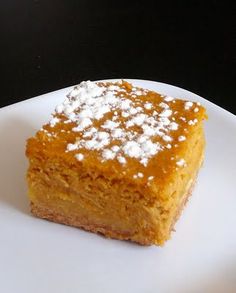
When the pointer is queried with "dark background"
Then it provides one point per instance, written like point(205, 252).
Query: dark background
point(47, 45)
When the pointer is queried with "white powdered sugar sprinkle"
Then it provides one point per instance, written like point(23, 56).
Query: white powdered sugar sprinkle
point(173, 126)
point(188, 105)
point(54, 121)
point(108, 154)
point(148, 106)
point(181, 163)
point(164, 105)
point(166, 113)
point(138, 175)
point(115, 122)
point(121, 160)
point(181, 138)
point(166, 138)
point(168, 99)
point(192, 122)
point(79, 157)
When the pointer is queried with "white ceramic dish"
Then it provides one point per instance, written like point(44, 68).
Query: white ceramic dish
point(39, 256)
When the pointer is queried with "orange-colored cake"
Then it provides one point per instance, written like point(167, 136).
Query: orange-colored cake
point(117, 160)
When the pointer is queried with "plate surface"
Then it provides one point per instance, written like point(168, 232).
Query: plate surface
point(40, 256)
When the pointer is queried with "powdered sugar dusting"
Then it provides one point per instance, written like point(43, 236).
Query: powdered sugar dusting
point(166, 113)
point(181, 138)
point(79, 157)
point(192, 122)
point(148, 106)
point(188, 105)
point(181, 163)
point(173, 126)
point(138, 175)
point(117, 123)
point(168, 99)
point(121, 160)
point(108, 154)
point(54, 121)
point(166, 138)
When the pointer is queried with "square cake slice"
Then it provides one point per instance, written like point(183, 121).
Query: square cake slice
point(118, 160)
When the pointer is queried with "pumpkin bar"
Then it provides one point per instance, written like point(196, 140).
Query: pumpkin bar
point(118, 160)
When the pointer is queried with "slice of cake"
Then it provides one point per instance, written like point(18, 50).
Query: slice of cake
point(118, 160)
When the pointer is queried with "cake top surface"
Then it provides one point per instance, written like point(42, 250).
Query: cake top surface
point(122, 128)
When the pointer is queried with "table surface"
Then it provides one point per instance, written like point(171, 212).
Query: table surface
point(48, 45)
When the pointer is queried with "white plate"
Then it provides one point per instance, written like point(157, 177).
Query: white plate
point(40, 256)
